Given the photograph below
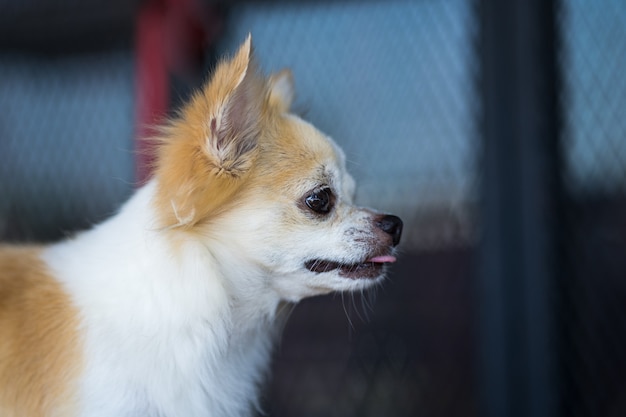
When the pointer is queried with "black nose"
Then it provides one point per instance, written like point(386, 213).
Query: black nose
point(392, 225)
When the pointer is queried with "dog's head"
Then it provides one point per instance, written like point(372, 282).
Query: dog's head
point(265, 191)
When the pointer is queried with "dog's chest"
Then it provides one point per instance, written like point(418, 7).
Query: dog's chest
point(193, 372)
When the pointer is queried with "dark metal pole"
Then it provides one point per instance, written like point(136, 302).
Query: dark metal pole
point(518, 265)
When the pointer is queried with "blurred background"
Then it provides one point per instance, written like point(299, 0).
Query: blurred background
point(496, 131)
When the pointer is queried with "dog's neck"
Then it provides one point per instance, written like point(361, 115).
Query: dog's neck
point(132, 244)
point(180, 305)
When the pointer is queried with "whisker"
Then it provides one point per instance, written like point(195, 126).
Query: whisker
point(356, 309)
point(364, 305)
point(343, 303)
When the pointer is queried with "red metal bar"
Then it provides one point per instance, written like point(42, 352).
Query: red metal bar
point(171, 37)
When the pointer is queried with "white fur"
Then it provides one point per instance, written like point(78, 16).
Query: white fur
point(162, 333)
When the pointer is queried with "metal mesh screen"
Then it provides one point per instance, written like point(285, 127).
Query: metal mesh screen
point(66, 130)
point(595, 95)
point(594, 314)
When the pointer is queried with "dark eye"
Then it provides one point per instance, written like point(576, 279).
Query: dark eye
point(319, 201)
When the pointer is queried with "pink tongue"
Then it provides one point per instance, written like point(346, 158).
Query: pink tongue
point(382, 259)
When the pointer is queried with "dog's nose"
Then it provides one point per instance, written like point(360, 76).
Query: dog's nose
point(392, 225)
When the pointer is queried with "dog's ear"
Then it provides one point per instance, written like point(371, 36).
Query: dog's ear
point(234, 122)
point(282, 90)
point(208, 151)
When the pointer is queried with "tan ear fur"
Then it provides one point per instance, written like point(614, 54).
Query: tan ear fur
point(282, 91)
point(206, 153)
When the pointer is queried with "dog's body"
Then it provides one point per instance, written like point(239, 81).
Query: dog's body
point(169, 307)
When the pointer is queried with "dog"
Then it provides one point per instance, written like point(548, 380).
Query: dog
point(170, 307)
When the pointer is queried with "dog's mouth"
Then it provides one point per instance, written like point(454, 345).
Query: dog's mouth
point(371, 268)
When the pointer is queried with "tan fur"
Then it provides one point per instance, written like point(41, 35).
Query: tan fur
point(193, 183)
point(281, 90)
point(38, 338)
point(193, 180)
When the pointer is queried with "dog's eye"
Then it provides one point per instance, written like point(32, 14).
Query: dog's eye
point(319, 201)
